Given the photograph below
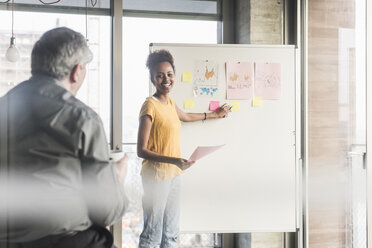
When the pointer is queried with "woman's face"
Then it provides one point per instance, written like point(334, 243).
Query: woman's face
point(163, 78)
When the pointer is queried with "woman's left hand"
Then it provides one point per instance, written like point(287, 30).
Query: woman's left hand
point(223, 111)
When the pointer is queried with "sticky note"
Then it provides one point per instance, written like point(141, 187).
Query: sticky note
point(186, 77)
point(214, 105)
point(257, 101)
point(235, 106)
point(188, 103)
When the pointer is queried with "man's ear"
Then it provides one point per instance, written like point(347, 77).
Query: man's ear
point(74, 75)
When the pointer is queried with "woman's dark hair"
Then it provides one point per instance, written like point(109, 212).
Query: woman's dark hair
point(157, 57)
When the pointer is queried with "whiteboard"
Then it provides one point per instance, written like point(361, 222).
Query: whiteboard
point(250, 184)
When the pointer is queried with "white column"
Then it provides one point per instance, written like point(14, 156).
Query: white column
point(117, 86)
point(369, 120)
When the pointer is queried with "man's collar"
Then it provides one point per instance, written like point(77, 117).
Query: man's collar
point(46, 78)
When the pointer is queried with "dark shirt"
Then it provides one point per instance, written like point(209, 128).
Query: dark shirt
point(59, 177)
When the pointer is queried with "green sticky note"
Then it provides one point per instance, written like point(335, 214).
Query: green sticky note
point(186, 77)
point(257, 101)
point(188, 103)
point(235, 106)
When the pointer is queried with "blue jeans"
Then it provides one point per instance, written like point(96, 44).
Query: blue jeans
point(161, 211)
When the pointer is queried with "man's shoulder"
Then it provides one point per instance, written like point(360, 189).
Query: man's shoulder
point(39, 92)
point(81, 109)
point(58, 94)
point(18, 88)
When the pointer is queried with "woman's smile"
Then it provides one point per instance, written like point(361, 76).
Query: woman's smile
point(167, 84)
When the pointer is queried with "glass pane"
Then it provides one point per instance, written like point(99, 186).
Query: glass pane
point(336, 119)
point(184, 6)
point(105, 4)
point(138, 33)
point(29, 26)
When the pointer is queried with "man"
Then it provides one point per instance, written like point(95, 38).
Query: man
point(61, 188)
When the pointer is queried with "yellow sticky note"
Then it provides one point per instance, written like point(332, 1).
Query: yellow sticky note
point(186, 77)
point(188, 103)
point(235, 106)
point(257, 101)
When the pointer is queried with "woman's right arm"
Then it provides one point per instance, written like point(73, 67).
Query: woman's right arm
point(142, 143)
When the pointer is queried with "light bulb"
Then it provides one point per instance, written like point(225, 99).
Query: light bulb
point(12, 54)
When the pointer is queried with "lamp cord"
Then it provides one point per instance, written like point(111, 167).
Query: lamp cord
point(12, 18)
point(93, 2)
point(86, 20)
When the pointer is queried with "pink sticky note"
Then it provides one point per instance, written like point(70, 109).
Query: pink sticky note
point(214, 105)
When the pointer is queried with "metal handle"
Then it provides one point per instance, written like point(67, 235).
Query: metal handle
point(358, 154)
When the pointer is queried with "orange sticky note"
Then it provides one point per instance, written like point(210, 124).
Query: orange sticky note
point(214, 105)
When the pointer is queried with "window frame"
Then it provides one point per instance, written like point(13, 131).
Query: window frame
point(117, 13)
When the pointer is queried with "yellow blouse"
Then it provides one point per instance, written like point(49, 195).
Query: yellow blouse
point(164, 139)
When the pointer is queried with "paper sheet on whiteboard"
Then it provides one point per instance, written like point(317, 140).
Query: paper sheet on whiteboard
point(202, 151)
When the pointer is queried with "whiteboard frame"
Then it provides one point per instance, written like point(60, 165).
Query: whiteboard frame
point(298, 159)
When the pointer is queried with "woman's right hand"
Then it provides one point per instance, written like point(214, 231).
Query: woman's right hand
point(223, 111)
point(183, 164)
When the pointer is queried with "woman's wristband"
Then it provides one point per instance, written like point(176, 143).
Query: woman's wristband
point(205, 116)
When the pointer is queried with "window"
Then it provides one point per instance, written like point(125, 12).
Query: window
point(32, 19)
point(138, 33)
point(29, 26)
point(66, 3)
point(175, 6)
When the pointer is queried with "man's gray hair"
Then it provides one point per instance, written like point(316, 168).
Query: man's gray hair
point(57, 52)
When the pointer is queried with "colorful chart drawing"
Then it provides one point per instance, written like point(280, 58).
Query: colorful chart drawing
point(205, 73)
point(205, 91)
point(239, 84)
point(268, 80)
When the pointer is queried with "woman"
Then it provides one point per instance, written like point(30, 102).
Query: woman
point(159, 146)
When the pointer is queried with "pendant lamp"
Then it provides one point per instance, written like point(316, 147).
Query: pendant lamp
point(12, 54)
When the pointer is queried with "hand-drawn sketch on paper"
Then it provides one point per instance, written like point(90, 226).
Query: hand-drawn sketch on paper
point(239, 80)
point(205, 73)
point(268, 80)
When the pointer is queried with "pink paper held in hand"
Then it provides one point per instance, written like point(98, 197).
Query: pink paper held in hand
point(202, 151)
